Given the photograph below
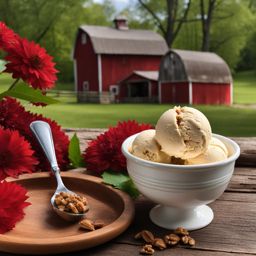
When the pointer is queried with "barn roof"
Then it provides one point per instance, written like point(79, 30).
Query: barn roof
point(149, 75)
point(202, 67)
point(107, 40)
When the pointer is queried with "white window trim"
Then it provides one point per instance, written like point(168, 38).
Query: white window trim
point(114, 86)
point(86, 84)
point(75, 75)
point(190, 92)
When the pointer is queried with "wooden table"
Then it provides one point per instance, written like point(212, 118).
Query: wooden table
point(232, 232)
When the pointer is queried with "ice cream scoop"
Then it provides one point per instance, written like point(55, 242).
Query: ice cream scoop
point(216, 151)
point(183, 132)
point(145, 146)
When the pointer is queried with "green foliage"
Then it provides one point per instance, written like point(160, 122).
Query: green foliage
point(122, 182)
point(2, 65)
point(54, 24)
point(74, 152)
point(229, 35)
point(24, 92)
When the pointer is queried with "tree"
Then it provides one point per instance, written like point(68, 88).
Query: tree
point(206, 19)
point(175, 17)
point(54, 24)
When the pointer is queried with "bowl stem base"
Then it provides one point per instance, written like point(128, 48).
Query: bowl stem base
point(190, 219)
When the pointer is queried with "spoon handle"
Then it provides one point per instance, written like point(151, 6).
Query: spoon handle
point(42, 131)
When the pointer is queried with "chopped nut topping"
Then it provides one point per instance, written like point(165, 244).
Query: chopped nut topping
point(159, 243)
point(147, 250)
point(71, 203)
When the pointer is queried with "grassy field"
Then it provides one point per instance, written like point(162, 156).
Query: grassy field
point(224, 120)
point(232, 121)
point(245, 88)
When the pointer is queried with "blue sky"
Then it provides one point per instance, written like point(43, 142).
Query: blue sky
point(119, 4)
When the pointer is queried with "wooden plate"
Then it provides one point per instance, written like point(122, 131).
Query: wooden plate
point(43, 232)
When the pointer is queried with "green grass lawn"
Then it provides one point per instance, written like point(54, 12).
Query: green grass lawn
point(245, 87)
point(224, 120)
point(231, 121)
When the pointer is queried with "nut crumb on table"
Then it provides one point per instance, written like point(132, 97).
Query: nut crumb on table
point(179, 236)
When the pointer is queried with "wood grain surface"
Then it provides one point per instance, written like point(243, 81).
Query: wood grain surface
point(232, 232)
point(42, 231)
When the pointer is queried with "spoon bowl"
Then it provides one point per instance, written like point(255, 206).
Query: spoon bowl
point(42, 131)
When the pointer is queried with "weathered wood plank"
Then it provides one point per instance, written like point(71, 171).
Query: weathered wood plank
point(232, 230)
point(243, 180)
point(247, 144)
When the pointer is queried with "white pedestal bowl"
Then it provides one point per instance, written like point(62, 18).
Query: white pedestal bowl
point(181, 191)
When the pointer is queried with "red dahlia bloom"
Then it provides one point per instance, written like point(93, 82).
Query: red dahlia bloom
point(12, 203)
point(32, 64)
point(104, 153)
point(16, 155)
point(8, 39)
point(14, 116)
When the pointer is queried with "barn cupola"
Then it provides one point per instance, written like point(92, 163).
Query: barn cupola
point(121, 23)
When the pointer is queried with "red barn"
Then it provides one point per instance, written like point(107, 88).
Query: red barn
point(105, 56)
point(195, 78)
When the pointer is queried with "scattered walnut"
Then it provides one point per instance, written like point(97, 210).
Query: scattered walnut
point(181, 231)
point(191, 241)
point(71, 203)
point(159, 243)
point(180, 235)
point(185, 239)
point(147, 236)
point(172, 239)
point(147, 250)
point(87, 224)
point(137, 236)
point(98, 224)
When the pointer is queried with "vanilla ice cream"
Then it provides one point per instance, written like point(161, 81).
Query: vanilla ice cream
point(183, 132)
point(145, 146)
point(216, 151)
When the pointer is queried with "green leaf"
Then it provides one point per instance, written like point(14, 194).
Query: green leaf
point(122, 182)
point(114, 178)
point(129, 187)
point(74, 152)
point(24, 92)
point(2, 65)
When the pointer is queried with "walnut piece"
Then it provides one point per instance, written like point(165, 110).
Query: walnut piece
point(181, 231)
point(159, 243)
point(147, 250)
point(172, 239)
point(87, 224)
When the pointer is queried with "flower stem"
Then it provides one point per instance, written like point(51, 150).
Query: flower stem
point(13, 84)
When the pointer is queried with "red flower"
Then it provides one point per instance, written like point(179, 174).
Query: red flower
point(14, 116)
point(12, 203)
point(31, 63)
point(104, 153)
point(8, 39)
point(16, 155)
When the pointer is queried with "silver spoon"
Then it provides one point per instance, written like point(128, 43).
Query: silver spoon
point(42, 131)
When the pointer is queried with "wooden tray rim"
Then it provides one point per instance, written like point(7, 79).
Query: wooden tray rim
point(122, 222)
